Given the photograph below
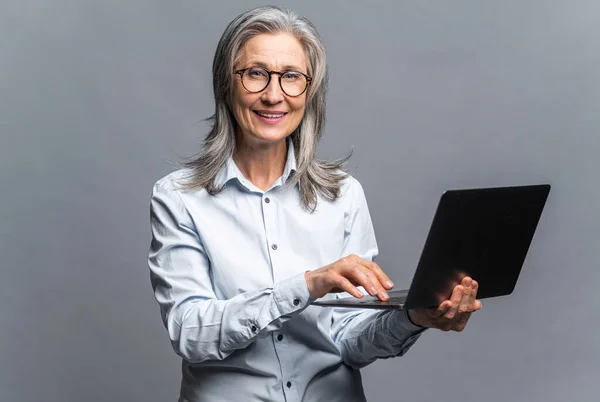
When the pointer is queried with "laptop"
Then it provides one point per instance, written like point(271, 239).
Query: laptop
point(484, 233)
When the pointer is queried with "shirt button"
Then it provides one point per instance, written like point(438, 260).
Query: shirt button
point(289, 384)
point(274, 246)
point(253, 328)
point(267, 200)
point(279, 337)
point(296, 302)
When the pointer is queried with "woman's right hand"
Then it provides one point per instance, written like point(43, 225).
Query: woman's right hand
point(345, 275)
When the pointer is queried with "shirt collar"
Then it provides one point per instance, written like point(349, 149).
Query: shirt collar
point(231, 171)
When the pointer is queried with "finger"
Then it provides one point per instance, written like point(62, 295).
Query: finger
point(376, 280)
point(381, 292)
point(362, 278)
point(347, 268)
point(383, 279)
point(455, 300)
point(474, 289)
point(345, 285)
point(443, 307)
point(367, 279)
point(379, 289)
point(474, 305)
point(465, 301)
point(437, 312)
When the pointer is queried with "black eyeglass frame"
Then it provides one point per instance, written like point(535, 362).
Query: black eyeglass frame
point(280, 73)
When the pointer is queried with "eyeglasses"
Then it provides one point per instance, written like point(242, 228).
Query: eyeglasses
point(256, 79)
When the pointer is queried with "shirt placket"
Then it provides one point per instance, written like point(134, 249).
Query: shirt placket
point(276, 249)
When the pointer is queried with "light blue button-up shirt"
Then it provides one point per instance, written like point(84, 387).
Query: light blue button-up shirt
point(228, 274)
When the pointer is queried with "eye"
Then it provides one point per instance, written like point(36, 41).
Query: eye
point(257, 72)
point(292, 76)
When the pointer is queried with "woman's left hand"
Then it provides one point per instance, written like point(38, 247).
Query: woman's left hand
point(452, 314)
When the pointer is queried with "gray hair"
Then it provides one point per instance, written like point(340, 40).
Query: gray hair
point(314, 176)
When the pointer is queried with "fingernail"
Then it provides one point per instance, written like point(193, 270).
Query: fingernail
point(373, 290)
point(389, 284)
point(385, 295)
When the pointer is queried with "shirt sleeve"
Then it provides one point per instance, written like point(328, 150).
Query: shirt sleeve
point(201, 327)
point(362, 335)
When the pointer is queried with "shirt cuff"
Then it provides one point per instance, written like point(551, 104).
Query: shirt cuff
point(407, 324)
point(292, 295)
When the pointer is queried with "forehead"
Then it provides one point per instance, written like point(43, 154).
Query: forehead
point(274, 51)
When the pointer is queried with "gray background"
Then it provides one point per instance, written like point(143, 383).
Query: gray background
point(98, 99)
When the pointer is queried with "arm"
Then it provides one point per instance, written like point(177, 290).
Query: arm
point(200, 326)
point(366, 335)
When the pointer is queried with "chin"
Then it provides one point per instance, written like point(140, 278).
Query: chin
point(271, 137)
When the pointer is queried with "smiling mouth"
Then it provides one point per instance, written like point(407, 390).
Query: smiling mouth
point(270, 115)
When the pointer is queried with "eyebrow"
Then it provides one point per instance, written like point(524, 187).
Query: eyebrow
point(287, 67)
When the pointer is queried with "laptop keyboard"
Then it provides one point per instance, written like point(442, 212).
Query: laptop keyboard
point(397, 300)
point(392, 300)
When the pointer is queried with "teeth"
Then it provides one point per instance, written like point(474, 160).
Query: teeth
point(270, 116)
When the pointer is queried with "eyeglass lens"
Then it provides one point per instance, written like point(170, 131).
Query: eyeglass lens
point(256, 79)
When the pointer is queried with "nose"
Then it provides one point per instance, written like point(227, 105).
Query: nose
point(273, 94)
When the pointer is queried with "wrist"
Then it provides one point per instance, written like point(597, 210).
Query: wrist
point(410, 314)
point(308, 279)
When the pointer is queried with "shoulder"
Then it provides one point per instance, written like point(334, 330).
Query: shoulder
point(171, 188)
point(351, 189)
point(351, 194)
point(171, 200)
point(173, 181)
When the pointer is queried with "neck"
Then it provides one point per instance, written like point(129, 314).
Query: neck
point(261, 164)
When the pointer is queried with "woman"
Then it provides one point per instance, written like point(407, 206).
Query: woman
point(246, 236)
